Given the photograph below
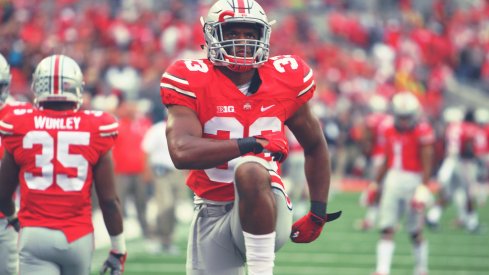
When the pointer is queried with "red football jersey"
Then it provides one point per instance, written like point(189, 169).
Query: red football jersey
point(403, 149)
point(7, 108)
point(459, 134)
point(226, 113)
point(56, 151)
point(485, 138)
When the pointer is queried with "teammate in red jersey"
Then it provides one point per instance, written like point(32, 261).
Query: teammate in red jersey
point(55, 153)
point(408, 148)
point(226, 119)
point(373, 148)
point(8, 226)
point(482, 118)
point(465, 142)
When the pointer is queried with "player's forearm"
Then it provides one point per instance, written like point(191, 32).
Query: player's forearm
point(111, 211)
point(427, 163)
point(379, 177)
point(202, 153)
point(7, 206)
point(318, 173)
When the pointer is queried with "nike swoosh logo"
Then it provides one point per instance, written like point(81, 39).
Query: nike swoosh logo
point(263, 108)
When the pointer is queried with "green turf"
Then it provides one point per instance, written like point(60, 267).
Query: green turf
point(343, 250)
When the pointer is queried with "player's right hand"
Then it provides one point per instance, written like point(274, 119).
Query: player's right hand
point(277, 145)
point(371, 194)
point(114, 263)
point(423, 198)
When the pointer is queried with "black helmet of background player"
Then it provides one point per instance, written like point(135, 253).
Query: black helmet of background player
point(57, 78)
point(5, 79)
point(239, 55)
point(406, 110)
point(469, 116)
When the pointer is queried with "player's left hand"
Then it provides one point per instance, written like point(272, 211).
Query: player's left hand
point(277, 145)
point(423, 198)
point(370, 196)
point(309, 227)
point(114, 263)
point(14, 223)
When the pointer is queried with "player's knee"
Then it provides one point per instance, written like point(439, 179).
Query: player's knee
point(251, 176)
point(387, 233)
point(416, 237)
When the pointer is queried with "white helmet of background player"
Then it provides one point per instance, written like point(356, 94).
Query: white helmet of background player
point(223, 52)
point(481, 116)
point(406, 110)
point(377, 104)
point(5, 78)
point(57, 78)
point(453, 115)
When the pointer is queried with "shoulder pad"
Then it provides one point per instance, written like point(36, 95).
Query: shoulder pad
point(184, 76)
point(294, 72)
point(6, 128)
point(106, 123)
point(13, 118)
point(425, 132)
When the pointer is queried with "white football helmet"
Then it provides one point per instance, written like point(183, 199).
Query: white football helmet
point(453, 115)
point(5, 78)
point(406, 110)
point(377, 103)
point(482, 116)
point(57, 78)
point(223, 52)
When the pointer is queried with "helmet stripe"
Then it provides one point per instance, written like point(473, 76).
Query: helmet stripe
point(56, 73)
point(240, 6)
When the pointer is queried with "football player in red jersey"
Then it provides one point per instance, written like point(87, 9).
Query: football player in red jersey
point(458, 173)
point(226, 120)
point(8, 235)
point(482, 118)
point(55, 153)
point(408, 148)
point(372, 147)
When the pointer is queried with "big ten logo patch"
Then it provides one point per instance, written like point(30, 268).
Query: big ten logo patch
point(225, 109)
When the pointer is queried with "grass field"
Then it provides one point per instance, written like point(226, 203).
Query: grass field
point(343, 250)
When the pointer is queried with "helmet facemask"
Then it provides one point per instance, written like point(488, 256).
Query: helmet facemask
point(5, 79)
point(404, 123)
point(4, 91)
point(238, 55)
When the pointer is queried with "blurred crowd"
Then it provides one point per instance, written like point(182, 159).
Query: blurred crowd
point(358, 49)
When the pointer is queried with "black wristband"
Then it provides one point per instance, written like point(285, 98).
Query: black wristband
point(318, 208)
point(249, 144)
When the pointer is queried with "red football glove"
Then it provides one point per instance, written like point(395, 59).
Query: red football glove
point(277, 145)
point(309, 227)
point(371, 195)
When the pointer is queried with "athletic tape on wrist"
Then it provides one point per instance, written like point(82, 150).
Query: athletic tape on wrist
point(248, 145)
point(118, 243)
point(318, 208)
